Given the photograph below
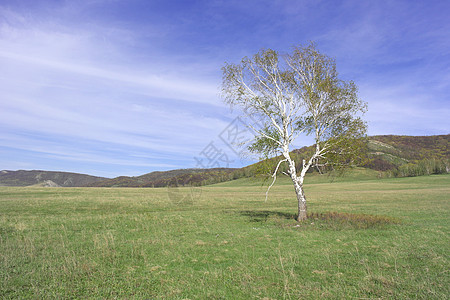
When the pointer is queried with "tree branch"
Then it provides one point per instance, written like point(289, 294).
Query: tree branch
point(274, 176)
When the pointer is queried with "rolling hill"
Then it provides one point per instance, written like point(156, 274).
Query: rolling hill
point(45, 178)
point(391, 154)
point(391, 151)
point(167, 178)
point(386, 153)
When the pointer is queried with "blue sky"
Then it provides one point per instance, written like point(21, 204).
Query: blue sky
point(113, 88)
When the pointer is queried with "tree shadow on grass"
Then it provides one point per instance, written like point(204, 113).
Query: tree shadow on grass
point(263, 215)
point(325, 220)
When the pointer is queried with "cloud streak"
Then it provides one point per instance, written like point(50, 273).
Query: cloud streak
point(127, 88)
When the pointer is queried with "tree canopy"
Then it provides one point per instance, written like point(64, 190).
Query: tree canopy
point(286, 96)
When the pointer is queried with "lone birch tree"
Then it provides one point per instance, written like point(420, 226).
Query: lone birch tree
point(292, 95)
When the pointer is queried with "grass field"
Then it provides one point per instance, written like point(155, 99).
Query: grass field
point(227, 242)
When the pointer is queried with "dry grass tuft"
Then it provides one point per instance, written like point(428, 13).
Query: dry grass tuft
point(345, 220)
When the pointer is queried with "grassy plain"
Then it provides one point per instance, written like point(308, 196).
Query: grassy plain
point(226, 242)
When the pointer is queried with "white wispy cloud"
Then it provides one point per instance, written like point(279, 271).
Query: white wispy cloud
point(110, 84)
point(58, 84)
point(56, 52)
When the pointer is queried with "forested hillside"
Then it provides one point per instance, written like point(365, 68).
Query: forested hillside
point(167, 178)
point(391, 155)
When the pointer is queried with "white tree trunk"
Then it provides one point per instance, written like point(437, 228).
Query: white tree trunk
point(298, 186)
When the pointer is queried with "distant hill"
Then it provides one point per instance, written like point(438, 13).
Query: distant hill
point(390, 151)
point(387, 153)
point(46, 178)
point(404, 156)
point(178, 177)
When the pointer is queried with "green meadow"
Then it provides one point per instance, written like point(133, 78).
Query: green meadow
point(367, 238)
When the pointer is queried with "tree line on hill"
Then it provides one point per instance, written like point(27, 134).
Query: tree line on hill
point(391, 155)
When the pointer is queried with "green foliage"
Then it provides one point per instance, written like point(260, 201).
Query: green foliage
point(422, 167)
point(266, 144)
point(294, 94)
